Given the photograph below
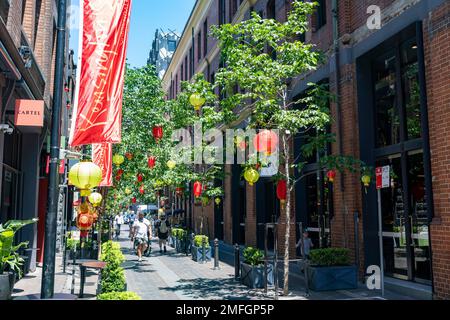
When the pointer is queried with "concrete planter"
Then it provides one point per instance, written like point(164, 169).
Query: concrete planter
point(6, 285)
point(181, 245)
point(197, 253)
point(332, 278)
point(253, 276)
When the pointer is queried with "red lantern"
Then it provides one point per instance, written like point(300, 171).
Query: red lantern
point(68, 105)
point(119, 172)
point(118, 178)
point(266, 141)
point(179, 191)
point(129, 155)
point(157, 133)
point(133, 200)
point(66, 88)
point(142, 189)
point(281, 192)
point(151, 162)
point(331, 175)
point(85, 221)
point(197, 189)
point(140, 177)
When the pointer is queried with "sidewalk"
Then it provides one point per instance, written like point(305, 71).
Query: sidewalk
point(29, 287)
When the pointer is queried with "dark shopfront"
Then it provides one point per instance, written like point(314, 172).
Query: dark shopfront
point(394, 132)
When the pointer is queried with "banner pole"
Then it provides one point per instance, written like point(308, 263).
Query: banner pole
point(48, 270)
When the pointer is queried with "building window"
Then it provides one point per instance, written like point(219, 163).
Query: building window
point(205, 37)
point(222, 12)
point(4, 10)
point(199, 46)
point(191, 59)
point(172, 45)
point(321, 14)
point(182, 72)
point(186, 78)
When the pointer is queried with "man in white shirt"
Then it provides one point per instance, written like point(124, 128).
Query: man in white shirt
point(118, 222)
point(142, 231)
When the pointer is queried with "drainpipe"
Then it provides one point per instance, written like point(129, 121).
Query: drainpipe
point(337, 77)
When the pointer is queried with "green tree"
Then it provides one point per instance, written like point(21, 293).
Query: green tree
point(261, 57)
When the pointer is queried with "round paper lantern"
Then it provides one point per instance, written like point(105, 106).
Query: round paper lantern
point(157, 133)
point(179, 191)
point(118, 178)
point(197, 189)
point(366, 180)
point(127, 191)
point(331, 175)
point(217, 201)
point(118, 159)
point(171, 164)
point(142, 189)
point(266, 141)
point(95, 198)
point(85, 175)
point(282, 191)
point(140, 177)
point(133, 200)
point(119, 172)
point(129, 155)
point(197, 101)
point(151, 161)
point(251, 176)
point(85, 221)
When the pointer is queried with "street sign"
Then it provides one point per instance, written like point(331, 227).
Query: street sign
point(383, 179)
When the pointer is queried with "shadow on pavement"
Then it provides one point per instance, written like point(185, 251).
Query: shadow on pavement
point(211, 289)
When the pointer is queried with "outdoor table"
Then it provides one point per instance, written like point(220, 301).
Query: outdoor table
point(98, 265)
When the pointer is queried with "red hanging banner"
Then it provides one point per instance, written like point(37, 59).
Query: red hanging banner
point(102, 156)
point(103, 44)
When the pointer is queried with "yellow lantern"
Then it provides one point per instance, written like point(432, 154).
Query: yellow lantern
point(85, 175)
point(252, 176)
point(218, 201)
point(366, 180)
point(85, 192)
point(171, 164)
point(118, 159)
point(197, 101)
point(127, 191)
point(95, 198)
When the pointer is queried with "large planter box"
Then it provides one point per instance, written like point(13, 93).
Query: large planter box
point(7, 281)
point(197, 253)
point(332, 278)
point(253, 277)
point(181, 245)
point(172, 240)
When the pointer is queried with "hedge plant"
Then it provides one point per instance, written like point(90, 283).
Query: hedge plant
point(113, 275)
point(330, 257)
point(127, 295)
point(253, 256)
point(198, 240)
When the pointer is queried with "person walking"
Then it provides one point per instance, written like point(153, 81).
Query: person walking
point(142, 232)
point(163, 227)
point(307, 245)
point(131, 219)
point(118, 222)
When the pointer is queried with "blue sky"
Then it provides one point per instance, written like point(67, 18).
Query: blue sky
point(146, 17)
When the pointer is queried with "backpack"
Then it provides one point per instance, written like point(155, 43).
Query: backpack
point(163, 227)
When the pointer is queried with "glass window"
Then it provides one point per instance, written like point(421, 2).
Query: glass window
point(386, 110)
point(172, 45)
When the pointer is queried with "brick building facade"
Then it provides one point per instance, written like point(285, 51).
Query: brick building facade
point(27, 62)
point(393, 87)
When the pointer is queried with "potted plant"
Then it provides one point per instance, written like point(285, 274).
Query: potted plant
point(330, 269)
point(113, 275)
point(252, 269)
point(10, 260)
point(201, 241)
point(180, 238)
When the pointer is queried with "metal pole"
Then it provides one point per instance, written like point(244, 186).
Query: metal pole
point(74, 257)
point(236, 261)
point(48, 271)
point(275, 262)
point(266, 256)
point(380, 237)
point(216, 254)
point(203, 250)
point(356, 220)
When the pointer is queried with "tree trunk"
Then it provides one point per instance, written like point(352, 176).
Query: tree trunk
point(287, 212)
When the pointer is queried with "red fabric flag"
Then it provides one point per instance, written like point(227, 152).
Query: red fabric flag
point(102, 156)
point(103, 44)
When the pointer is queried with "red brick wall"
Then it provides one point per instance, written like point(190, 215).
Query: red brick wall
point(437, 46)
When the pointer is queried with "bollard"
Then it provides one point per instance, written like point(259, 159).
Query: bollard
point(216, 254)
point(203, 250)
point(236, 261)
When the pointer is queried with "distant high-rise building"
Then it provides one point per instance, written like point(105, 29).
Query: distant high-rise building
point(163, 48)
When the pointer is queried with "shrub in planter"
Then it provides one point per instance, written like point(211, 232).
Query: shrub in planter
point(197, 248)
point(330, 269)
point(113, 275)
point(252, 269)
point(10, 261)
point(180, 238)
point(119, 296)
